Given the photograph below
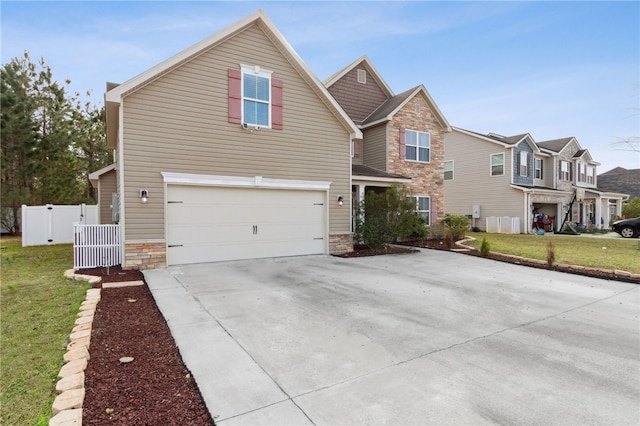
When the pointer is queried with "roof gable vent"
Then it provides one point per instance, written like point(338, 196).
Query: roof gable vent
point(362, 76)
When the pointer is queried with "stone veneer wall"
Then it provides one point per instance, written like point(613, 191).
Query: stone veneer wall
point(340, 243)
point(148, 255)
point(427, 179)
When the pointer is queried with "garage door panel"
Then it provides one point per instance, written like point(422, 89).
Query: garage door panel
point(206, 224)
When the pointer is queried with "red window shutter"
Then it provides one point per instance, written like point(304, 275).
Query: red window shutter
point(402, 143)
point(433, 213)
point(235, 96)
point(276, 104)
point(356, 147)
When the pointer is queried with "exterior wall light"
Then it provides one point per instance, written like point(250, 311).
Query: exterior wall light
point(340, 200)
point(144, 196)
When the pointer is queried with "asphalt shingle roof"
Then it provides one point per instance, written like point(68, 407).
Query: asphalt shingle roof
point(388, 107)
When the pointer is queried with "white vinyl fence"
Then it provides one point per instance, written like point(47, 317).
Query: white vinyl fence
point(503, 225)
point(96, 246)
point(53, 224)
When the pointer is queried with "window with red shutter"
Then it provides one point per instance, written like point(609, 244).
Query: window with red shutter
point(255, 98)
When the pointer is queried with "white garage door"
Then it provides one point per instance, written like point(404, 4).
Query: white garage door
point(207, 224)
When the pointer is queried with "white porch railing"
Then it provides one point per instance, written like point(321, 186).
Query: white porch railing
point(96, 246)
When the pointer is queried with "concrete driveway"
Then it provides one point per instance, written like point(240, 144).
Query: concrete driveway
point(427, 338)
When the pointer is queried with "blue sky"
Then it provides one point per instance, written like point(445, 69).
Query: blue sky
point(552, 69)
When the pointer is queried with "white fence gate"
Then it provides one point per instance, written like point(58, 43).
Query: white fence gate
point(503, 225)
point(96, 246)
point(53, 224)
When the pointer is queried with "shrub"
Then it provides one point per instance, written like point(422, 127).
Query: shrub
point(485, 248)
point(457, 224)
point(551, 254)
point(448, 239)
point(388, 217)
point(436, 231)
point(632, 208)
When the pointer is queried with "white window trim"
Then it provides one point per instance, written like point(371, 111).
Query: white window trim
point(524, 165)
point(259, 72)
point(491, 164)
point(537, 161)
point(563, 172)
point(453, 168)
point(428, 212)
point(591, 175)
point(417, 146)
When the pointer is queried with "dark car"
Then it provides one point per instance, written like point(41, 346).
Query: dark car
point(628, 228)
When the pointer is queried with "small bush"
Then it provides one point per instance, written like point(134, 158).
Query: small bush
point(485, 248)
point(448, 239)
point(436, 231)
point(551, 254)
point(457, 224)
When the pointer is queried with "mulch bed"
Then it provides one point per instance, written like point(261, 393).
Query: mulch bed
point(156, 388)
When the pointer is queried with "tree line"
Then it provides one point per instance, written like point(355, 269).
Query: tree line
point(51, 140)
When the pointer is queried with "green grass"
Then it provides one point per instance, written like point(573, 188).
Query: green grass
point(620, 254)
point(38, 306)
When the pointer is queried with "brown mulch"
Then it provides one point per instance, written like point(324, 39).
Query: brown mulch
point(156, 388)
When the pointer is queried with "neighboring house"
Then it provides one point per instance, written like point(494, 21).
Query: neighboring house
point(526, 183)
point(403, 137)
point(621, 180)
point(231, 149)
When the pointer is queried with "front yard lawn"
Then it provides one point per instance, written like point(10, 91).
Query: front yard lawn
point(596, 252)
point(39, 307)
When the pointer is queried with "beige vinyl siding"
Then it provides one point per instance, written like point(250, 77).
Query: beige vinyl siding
point(179, 123)
point(108, 186)
point(473, 183)
point(375, 152)
point(547, 172)
point(357, 99)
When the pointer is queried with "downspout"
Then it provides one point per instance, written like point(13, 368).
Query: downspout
point(121, 200)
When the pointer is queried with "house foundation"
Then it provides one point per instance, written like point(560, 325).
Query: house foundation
point(145, 255)
point(340, 243)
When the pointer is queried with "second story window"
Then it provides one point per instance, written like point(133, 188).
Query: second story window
point(417, 146)
point(591, 173)
point(448, 170)
point(565, 170)
point(538, 168)
point(256, 97)
point(524, 164)
point(582, 172)
point(497, 164)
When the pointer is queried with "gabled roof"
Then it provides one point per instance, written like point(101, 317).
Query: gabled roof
point(509, 140)
point(557, 145)
point(329, 81)
point(94, 177)
point(116, 94)
point(387, 110)
point(505, 141)
point(482, 136)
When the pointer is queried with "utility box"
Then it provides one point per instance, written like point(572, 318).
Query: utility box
point(475, 211)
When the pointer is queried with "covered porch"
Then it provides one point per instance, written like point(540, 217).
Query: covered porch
point(365, 179)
